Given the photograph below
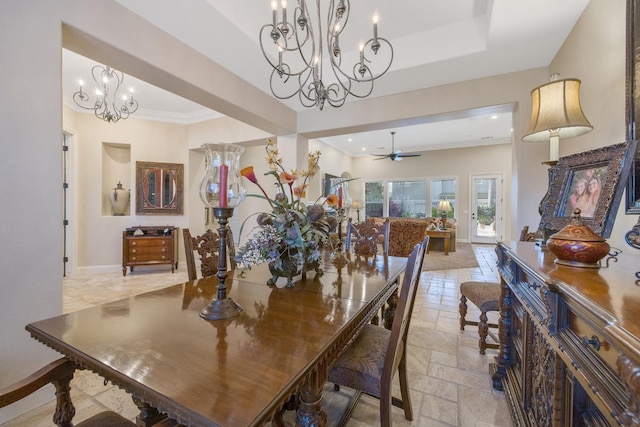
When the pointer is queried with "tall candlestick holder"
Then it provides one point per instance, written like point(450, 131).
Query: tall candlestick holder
point(338, 256)
point(222, 306)
point(222, 189)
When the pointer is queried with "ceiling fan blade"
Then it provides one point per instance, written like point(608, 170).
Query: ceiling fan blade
point(380, 158)
point(408, 155)
point(382, 155)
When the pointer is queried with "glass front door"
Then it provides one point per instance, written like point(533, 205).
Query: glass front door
point(486, 208)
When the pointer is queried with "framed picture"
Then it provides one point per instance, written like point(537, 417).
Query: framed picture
point(326, 190)
point(592, 181)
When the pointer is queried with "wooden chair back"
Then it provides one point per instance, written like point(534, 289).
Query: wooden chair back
point(527, 236)
point(402, 316)
point(365, 237)
point(207, 246)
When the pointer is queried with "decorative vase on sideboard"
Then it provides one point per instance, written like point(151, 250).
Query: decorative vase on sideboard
point(119, 198)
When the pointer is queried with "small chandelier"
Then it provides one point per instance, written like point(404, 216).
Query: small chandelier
point(104, 105)
point(298, 46)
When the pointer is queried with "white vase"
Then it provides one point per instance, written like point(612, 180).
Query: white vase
point(119, 198)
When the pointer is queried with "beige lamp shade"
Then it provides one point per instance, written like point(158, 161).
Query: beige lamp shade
point(444, 206)
point(556, 106)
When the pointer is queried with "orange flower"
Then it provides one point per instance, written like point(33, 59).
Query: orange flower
point(332, 200)
point(299, 191)
point(249, 174)
point(287, 178)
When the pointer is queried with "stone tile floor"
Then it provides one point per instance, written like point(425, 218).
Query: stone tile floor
point(449, 380)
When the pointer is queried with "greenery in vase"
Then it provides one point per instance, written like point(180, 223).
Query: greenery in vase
point(292, 229)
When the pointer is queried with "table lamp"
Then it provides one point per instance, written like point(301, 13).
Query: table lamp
point(555, 114)
point(357, 205)
point(444, 207)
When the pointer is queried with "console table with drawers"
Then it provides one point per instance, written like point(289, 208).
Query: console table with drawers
point(147, 245)
point(569, 340)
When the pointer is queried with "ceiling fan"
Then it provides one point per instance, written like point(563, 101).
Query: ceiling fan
point(395, 155)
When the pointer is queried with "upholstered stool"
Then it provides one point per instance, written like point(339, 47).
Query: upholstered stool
point(485, 296)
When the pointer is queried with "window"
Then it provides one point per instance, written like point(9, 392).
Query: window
point(373, 199)
point(443, 189)
point(395, 198)
point(408, 198)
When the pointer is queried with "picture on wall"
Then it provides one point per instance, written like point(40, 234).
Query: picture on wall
point(326, 188)
point(592, 181)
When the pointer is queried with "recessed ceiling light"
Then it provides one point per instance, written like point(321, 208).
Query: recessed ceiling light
point(495, 116)
point(350, 139)
point(364, 148)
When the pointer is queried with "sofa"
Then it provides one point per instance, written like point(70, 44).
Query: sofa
point(405, 233)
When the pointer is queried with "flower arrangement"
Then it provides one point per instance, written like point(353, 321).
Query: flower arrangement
point(291, 236)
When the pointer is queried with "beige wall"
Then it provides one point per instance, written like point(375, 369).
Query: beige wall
point(31, 119)
point(30, 221)
point(333, 162)
point(594, 52)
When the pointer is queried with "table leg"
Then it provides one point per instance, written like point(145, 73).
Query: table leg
point(148, 414)
point(390, 310)
point(447, 241)
point(310, 411)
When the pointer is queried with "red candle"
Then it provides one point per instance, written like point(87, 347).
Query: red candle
point(224, 174)
point(340, 197)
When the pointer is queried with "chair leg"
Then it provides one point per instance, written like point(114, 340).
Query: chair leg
point(462, 307)
point(385, 408)
point(404, 388)
point(483, 330)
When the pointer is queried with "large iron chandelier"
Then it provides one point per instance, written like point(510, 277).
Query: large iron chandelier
point(105, 104)
point(295, 51)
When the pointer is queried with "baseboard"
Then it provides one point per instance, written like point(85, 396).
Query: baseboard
point(97, 269)
point(117, 268)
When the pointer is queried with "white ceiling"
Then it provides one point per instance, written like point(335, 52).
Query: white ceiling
point(435, 42)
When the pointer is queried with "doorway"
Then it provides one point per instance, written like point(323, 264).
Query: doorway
point(68, 262)
point(486, 208)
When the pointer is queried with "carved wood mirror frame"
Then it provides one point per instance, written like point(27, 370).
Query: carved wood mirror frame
point(633, 102)
point(159, 188)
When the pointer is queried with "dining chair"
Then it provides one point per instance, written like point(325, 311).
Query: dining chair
point(364, 237)
point(207, 246)
point(486, 297)
point(59, 373)
point(370, 363)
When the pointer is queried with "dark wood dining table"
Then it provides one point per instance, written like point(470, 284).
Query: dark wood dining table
point(234, 372)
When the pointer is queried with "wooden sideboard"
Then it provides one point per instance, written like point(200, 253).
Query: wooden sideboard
point(149, 246)
point(570, 340)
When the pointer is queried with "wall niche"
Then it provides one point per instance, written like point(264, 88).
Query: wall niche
point(116, 169)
